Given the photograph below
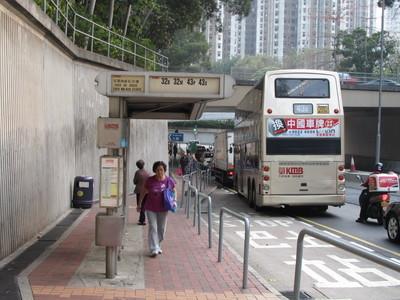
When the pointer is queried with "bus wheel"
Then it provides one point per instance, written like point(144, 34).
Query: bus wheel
point(250, 196)
point(253, 199)
point(321, 208)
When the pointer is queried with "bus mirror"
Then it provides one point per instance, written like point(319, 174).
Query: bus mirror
point(230, 150)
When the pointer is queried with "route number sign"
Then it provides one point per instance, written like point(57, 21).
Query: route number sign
point(185, 85)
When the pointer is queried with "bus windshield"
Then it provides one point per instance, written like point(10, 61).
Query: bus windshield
point(301, 88)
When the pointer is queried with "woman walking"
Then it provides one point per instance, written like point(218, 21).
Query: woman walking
point(154, 205)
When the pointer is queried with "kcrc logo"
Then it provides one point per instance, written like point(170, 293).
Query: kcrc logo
point(291, 170)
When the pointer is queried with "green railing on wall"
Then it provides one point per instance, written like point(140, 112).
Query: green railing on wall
point(99, 39)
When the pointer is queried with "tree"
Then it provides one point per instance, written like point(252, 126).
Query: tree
point(188, 48)
point(361, 53)
point(388, 3)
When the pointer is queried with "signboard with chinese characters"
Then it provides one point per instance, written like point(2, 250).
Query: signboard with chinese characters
point(111, 180)
point(184, 85)
point(303, 127)
point(112, 133)
point(127, 83)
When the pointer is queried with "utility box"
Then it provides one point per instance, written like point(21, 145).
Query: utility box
point(384, 182)
point(112, 133)
point(83, 192)
point(109, 230)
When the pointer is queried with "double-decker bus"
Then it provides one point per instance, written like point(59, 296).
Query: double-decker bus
point(289, 141)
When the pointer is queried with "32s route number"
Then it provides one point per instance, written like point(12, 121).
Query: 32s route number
point(181, 81)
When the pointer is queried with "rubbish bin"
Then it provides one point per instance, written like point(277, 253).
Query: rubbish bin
point(83, 192)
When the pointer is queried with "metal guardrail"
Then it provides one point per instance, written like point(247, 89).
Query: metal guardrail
point(338, 243)
point(99, 39)
point(201, 197)
point(246, 239)
point(189, 200)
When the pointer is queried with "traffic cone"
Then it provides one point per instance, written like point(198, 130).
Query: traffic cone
point(352, 165)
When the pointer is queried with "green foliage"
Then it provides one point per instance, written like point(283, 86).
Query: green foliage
point(188, 48)
point(388, 3)
point(361, 53)
point(221, 124)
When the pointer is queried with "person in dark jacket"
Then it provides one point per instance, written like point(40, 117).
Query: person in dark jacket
point(364, 197)
point(139, 181)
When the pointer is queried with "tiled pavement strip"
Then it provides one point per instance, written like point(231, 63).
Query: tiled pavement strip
point(187, 269)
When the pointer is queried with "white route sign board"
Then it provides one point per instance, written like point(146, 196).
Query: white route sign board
point(165, 84)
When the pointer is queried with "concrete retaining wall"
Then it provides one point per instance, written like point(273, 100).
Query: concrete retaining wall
point(48, 112)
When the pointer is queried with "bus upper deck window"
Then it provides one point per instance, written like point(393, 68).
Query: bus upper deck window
point(301, 88)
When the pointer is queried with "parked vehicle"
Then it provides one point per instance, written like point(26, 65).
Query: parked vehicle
point(385, 83)
point(223, 158)
point(392, 221)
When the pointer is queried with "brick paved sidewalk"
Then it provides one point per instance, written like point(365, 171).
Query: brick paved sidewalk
point(187, 269)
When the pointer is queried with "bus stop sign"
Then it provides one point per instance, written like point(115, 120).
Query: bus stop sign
point(176, 137)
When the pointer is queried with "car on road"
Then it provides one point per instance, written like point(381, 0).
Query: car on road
point(392, 221)
point(385, 83)
point(346, 78)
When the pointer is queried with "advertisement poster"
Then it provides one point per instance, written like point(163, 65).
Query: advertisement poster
point(303, 127)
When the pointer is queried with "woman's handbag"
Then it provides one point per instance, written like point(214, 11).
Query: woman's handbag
point(169, 198)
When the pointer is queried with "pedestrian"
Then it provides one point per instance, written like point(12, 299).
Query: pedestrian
point(184, 161)
point(139, 180)
point(175, 150)
point(154, 206)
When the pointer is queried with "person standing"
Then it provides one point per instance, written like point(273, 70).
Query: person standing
point(139, 180)
point(154, 206)
point(184, 161)
point(175, 151)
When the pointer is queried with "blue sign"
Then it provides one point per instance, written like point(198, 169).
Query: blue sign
point(176, 137)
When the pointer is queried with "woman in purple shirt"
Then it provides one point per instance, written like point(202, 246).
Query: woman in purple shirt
point(154, 205)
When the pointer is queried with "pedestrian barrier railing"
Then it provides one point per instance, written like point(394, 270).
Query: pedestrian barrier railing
point(189, 200)
point(200, 198)
point(246, 221)
point(99, 39)
point(338, 243)
point(185, 182)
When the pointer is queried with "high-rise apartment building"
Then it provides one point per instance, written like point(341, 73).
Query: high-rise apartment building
point(358, 14)
point(279, 27)
point(392, 20)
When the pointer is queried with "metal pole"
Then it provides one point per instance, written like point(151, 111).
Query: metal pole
point(299, 261)
point(246, 240)
point(221, 234)
point(378, 132)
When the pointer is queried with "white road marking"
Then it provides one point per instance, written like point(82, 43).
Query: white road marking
point(262, 235)
point(309, 241)
point(322, 282)
point(355, 272)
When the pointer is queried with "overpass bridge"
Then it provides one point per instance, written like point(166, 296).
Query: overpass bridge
point(361, 117)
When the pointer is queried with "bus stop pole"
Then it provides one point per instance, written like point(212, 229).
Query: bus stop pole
point(115, 111)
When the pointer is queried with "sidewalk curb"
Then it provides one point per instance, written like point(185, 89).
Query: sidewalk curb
point(22, 279)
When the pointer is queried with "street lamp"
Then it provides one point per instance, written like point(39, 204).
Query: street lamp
point(378, 132)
